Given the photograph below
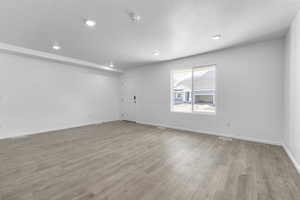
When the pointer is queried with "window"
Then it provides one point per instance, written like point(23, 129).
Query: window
point(194, 90)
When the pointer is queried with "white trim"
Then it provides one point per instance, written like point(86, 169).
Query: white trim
point(196, 112)
point(289, 153)
point(160, 126)
point(295, 163)
point(215, 134)
point(50, 56)
point(26, 134)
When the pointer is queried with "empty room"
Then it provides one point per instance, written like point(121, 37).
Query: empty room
point(150, 100)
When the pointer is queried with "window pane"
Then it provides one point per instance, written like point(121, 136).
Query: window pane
point(182, 91)
point(204, 89)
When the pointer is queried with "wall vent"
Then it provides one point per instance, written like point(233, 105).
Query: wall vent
point(161, 127)
point(225, 138)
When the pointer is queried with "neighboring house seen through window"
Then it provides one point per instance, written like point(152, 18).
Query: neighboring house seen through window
point(194, 90)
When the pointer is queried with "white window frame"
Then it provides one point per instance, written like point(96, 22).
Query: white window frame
point(192, 95)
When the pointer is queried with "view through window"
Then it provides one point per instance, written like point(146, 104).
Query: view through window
point(194, 90)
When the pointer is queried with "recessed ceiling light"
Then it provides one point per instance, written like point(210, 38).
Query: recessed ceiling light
point(56, 46)
point(111, 64)
point(156, 53)
point(90, 23)
point(216, 37)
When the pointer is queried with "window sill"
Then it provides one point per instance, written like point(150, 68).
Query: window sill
point(196, 112)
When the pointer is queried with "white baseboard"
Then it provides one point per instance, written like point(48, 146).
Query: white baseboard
point(296, 164)
point(289, 153)
point(215, 134)
point(26, 134)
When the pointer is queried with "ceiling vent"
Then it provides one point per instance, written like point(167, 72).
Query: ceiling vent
point(134, 17)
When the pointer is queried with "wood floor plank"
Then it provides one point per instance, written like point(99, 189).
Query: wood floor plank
point(128, 161)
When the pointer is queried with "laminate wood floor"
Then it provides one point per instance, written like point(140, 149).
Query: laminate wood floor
point(127, 161)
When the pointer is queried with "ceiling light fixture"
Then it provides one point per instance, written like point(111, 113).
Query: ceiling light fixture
point(216, 37)
point(90, 23)
point(156, 53)
point(56, 46)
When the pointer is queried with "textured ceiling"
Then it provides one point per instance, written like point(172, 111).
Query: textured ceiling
point(175, 28)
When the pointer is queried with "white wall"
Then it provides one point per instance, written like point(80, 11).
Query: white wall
point(39, 95)
point(249, 93)
point(292, 93)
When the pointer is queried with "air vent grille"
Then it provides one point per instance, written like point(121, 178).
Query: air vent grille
point(225, 138)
